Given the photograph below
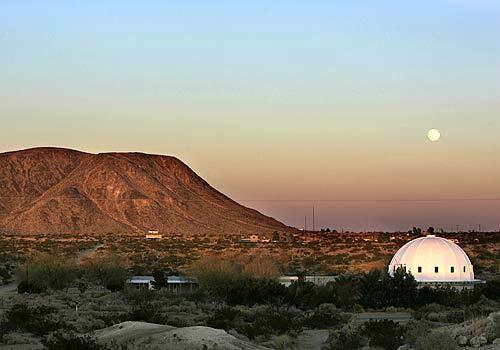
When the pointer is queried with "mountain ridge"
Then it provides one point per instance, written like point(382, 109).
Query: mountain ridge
point(58, 190)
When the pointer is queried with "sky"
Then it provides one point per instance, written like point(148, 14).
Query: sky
point(282, 105)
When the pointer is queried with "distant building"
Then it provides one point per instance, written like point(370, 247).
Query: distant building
point(141, 282)
point(181, 284)
point(288, 280)
point(254, 238)
point(153, 234)
point(175, 284)
point(316, 280)
point(251, 239)
point(320, 280)
point(435, 261)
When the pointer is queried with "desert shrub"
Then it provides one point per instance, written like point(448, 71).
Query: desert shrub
point(160, 279)
point(262, 321)
point(148, 312)
point(455, 316)
point(439, 313)
point(5, 274)
point(493, 330)
point(346, 291)
point(111, 318)
point(263, 267)
point(216, 284)
point(326, 315)
point(108, 272)
point(138, 296)
point(271, 320)
point(491, 290)
point(445, 296)
point(64, 340)
point(305, 295)
point(208, 266)
point(237, 290)
point(280, 342)
point(32, 287)
point(345, 338)
point(441, 340)
point(224, 318)
point(251, 291)
point(385, 334)
point(39, 320)
point(44, 271)
point(482, 308)
point(426, 309)
point(378, 289)
point(415, 330)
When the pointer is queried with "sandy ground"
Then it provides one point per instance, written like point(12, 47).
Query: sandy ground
point(141, 335)
point(400, 317)
point(312, 339)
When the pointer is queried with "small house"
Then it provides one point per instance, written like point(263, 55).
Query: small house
point(181, 284)
point(153, 234)
point(254, 238)
point(288, 280)
point(141, 282)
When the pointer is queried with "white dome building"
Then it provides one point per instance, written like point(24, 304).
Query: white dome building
point(434, 260)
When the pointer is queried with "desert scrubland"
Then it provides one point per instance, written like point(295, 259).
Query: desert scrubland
point(61, 292)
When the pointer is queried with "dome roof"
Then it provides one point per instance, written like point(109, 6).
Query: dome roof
point(433, 259)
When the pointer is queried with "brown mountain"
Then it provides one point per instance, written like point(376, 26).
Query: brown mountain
point(53, 190)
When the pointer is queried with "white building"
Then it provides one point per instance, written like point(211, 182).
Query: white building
point(141, 282)
point(181, 284)
point(153, 234)
point(434, 261)
point(174, 284)
point(317, 280)
point(288, 280)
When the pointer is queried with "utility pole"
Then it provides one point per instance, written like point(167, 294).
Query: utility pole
point(313, 219)
point(305, 223)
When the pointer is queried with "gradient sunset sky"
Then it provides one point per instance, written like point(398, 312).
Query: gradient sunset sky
point(281, 105)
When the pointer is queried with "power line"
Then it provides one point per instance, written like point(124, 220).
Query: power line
point(284, 200)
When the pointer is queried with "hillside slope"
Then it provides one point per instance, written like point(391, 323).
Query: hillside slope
point(52, 190)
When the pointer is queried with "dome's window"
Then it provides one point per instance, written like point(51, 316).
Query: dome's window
point(452, 269)
point(464, 268)
point(436, 269)
point(420, 269)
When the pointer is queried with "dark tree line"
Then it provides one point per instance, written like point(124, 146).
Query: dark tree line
point(375, 289)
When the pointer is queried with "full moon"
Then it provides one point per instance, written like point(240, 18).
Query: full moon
point(434, 135)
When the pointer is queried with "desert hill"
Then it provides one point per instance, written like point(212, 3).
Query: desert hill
point(53, 190)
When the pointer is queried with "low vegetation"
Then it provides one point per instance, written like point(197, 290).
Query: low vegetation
point(62, 299)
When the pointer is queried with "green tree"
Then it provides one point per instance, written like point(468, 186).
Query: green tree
point(160, 279)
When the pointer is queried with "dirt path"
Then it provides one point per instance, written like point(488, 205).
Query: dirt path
point(82, 255)
point(312, 339)
point(8, 289)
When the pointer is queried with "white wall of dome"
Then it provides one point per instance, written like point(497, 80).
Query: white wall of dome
point(433, 259)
